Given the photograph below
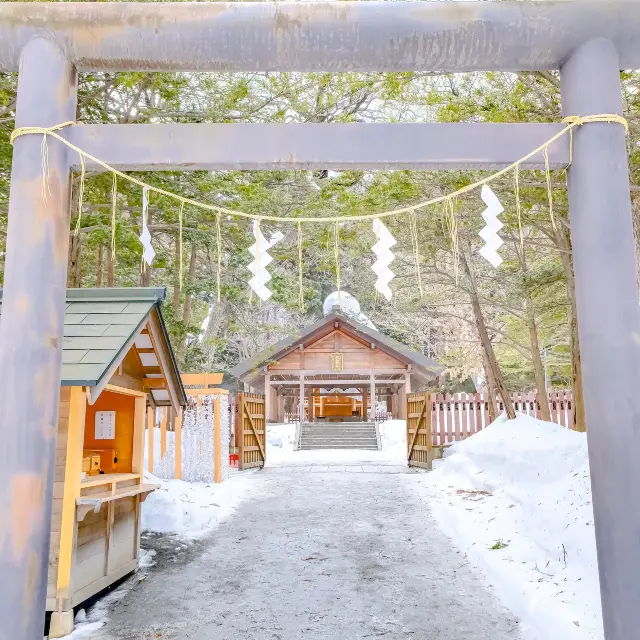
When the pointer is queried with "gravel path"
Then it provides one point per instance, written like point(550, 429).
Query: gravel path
point(315, 555)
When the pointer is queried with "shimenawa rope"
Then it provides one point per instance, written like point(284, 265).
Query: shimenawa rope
point(570, 123)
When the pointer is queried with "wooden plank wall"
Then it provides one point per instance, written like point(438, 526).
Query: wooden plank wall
point(460, 415)
point(58, 490)
point(356, 355)
point(124, 406)
point(252, 431)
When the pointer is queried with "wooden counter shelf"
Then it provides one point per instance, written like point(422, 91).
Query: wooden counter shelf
point(107, 478)
point(94, 502)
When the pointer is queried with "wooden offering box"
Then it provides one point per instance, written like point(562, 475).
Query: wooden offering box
point(117, 367)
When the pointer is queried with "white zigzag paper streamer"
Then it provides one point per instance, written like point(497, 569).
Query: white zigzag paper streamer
point(149, 252)
point(490, 233)
point(384, 257)
point(262, 259)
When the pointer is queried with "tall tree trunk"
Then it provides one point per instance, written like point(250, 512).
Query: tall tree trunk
point(564, 244)
point(100, 268)
point(176, 284)
point(486, 342)
point(111, 269)
point(186, 311)
point(492, 392)
point(536, 359)
point(538, 366)
point(145, 274)
point(74, 271)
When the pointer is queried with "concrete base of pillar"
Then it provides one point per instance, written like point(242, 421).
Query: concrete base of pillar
point(61, 624)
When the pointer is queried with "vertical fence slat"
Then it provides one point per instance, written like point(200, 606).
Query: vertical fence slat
point(471, 413)
point(455, 419)
point(554, 407)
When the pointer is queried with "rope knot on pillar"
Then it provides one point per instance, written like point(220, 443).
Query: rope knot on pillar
point(25, 131)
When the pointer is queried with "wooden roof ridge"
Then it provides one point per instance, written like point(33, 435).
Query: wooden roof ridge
point(388, 344)
point(109, 294)
point(101, 326)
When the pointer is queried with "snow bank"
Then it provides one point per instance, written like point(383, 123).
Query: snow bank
point(280, 439)
point(517, 498)
point(192, 509)
point(393, 438)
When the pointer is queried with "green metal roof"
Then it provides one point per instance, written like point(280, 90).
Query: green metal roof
point(98, 325)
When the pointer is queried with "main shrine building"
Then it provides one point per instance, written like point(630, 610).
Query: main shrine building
point(339, 367)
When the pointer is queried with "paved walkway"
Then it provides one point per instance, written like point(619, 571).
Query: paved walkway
point(329, 552)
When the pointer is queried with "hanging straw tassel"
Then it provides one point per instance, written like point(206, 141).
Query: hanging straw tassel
point(83, 171)
point(219, 254)
point(451, 226)
point(180, 245)
point(518, 207)
point(413, 228)
point(336, 252)
point(114, 204)
point(547, 171)
point(300, 287)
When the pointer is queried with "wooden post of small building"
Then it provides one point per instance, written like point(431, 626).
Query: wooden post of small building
point(372, 385)
point(267, 398)
point(301, 400)
point(217, 444)
point(151, 420)
point(163, 432)
point(280, 405)
point(309, 392)
point(178, 440)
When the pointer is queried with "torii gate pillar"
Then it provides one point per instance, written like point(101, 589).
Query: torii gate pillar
point(609, 324)
point(31, 336)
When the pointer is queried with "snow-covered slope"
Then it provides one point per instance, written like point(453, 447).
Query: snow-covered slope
point(516, 498)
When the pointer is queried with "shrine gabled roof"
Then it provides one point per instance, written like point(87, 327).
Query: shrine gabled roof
point(250, 367)
point(101, 326)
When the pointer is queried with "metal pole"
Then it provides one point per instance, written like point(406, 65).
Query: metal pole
point(31, 337)
point(609, 326)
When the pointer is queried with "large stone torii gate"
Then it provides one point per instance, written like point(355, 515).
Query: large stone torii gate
point(588, 41)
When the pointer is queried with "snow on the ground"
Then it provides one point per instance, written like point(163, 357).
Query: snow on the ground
point(86, 624)
point(281, 437)
point(516, 497)
point(192, 509)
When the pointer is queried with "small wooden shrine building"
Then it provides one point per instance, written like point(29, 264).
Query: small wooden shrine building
point(334, 370)
point(117, 364)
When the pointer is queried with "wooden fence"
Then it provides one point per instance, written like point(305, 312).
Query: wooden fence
point(460, 415)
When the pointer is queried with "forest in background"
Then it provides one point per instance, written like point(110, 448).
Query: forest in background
point(511, 328)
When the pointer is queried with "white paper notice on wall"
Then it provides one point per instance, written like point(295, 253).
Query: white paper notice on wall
point(105, 425)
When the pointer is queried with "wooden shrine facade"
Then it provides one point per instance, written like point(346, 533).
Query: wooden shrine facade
point(335, 370)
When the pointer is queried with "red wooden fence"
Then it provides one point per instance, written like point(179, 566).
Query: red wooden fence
point(460, 415)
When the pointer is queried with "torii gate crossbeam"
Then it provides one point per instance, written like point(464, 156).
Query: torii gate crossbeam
point(588, 41)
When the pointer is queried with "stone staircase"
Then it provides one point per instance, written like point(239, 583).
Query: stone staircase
point(338, 435)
